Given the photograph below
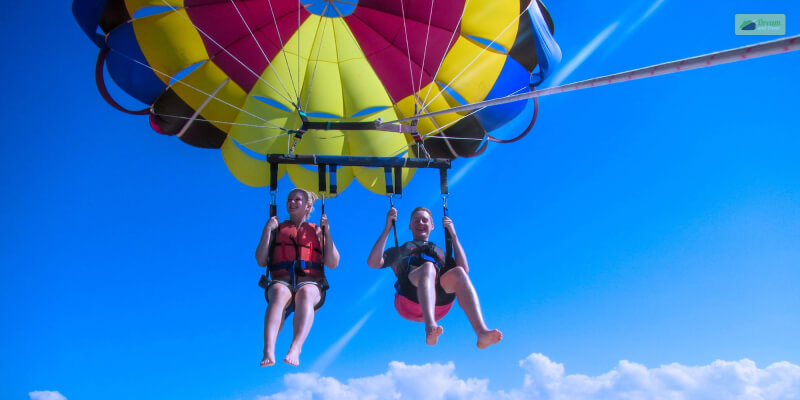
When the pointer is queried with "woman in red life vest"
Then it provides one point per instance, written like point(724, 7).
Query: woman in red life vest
point(427, 283)
point(296, 258)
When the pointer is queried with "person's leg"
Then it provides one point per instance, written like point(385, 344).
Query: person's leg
point(279, 296)
point(457, 281)
point(305, 299)
point(424, 278)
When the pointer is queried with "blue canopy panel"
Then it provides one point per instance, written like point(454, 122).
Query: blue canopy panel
point(536, 31)
point(88, 14)
point(547, 50)
point(494, 117)
point(127, 66)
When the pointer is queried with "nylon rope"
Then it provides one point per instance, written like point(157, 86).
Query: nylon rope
point(170, 77)
point(350, 34)
point(432, 136)
point(265, 139)
point(408, 50)
point(229, 123)
point(202, 106)
point(425, 49)
point(449, 43)
point(285, 58)
point(763, 49)
point(338, 11)
point(253, 35)
point(440, 128)
point(316, 61)
point(225, 50)
point(299, 4)
point(476, 57)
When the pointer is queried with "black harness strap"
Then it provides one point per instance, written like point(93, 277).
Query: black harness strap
point(333, 189)
point(295, 245)
point(448, 239)
point(387, 172)
point(322, 189)
point(296, 270)
point(398, 180)
point(273, 189)
point(273, 212)
point(358, 126)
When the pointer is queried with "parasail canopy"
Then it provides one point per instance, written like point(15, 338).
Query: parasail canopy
point(256, 77)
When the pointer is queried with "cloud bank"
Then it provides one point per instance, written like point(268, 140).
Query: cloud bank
point(45, 395)
point(546, 380)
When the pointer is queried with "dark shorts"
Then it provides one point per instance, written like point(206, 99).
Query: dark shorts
point(322, 284)
point(405, 288)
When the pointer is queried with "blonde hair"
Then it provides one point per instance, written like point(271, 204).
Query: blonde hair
point(420, 208)
point(309, 196)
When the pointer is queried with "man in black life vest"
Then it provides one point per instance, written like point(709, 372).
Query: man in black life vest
point(427, 282)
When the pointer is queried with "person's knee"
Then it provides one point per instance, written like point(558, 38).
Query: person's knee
point(307, 295)
point(425, 273)
point(458, 273)
point(278, 293)
point(428, 270)
point(454, 277)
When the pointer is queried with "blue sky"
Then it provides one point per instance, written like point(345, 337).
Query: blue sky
point(643, 231)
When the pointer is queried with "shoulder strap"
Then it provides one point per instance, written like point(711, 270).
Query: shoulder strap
point(273, 236)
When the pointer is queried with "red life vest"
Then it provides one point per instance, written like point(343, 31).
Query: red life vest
point(293, 243)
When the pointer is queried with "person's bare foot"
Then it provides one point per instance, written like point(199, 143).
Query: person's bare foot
point(488, 338)
point(432, 334)
point(292, 358)
point(268, 360)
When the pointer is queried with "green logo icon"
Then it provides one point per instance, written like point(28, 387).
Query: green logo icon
point(748, 25)
point(760, 24)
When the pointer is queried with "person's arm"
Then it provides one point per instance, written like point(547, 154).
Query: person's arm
point(375, 259)
point(262, 251)
point(458, 251)
point(330, 251)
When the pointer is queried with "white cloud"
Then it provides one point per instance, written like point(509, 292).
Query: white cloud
point(419, 382)
point(46, 395)
point(547, 380)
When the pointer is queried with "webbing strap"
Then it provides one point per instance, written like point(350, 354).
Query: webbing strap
point(398, 180)
point(327, 183)
point(293, 271)
point(443, 181)
point(273, 188)
point(387, 173)
point(323, 187)
point(448, 239)
point(358, 126)
point(333, 189)
point(394, 225)
point(297, 245)
point(303, 264)
point(273, 207)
